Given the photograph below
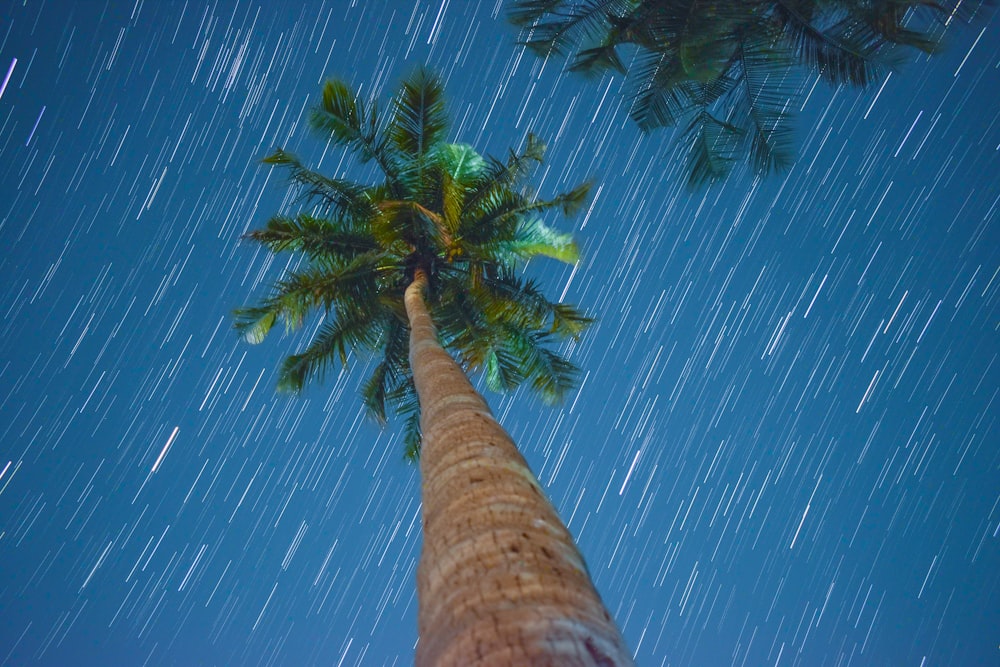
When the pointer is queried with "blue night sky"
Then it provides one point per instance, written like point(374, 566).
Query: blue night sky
point(785, 449)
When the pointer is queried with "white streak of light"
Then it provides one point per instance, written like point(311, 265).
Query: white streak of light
point(159, 459)
point(4, 487)
point(436, 28)
point(908, 132)
point(3, 86)
point(326, 561)
point(777, 336)
point(569, 281)
point(877, 95)
point(805, 513)
point(629, 473)
point(97, 565)
point(822, 282)
point(264, 608)
point(962, 64)
point(201, 552)
point(871, 385)
point(929, 570)
point(37, 121)
point(250, 395)
point(895, 312)
point(924, 330)
point(346, 649)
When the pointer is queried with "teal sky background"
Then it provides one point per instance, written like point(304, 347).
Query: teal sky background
point(784, 450)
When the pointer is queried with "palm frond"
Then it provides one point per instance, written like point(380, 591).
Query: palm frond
point(317, 286)
point(582, 21)
point(534, 149)
point(570, 202)
point(343, 118)
point(357, 330)
point(460, 161)
point(337, 195)
point(510, 299)
point(550, 375)
point(707, 43)
point(328, 285)
point(391, 385)
point(461, 322)
point(331, 238)
point(504, 329)
point(452, 198)
point(843, 52)
point(690, 53)
point(569, 321)
point(497, 187)
point(413, 225)
point(502, 370)
point(765, 90)
point(535, 238)
point(460, 169)
point(712, 148)
point(419, 121)
point(495, 223)
point(660, 97)
point(389, 374)
point(254, 323)
point(408, 407)
point(599, 59)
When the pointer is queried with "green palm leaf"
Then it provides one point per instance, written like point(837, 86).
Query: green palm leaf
point(535, 238)
point(511, 298)
point(359, 329)
point(305, 233)
point(461, 167)
point(408, 408)
point(337, 195)
point(419, 122)
point(343, 119)
point(548, 373)
point(502, 370)
point(763, 103)
point(662, 99)
point(320, 286)
point(842, 52)
point(254, 323)
point(712, 149)
point(389, 374)
point(495, 223)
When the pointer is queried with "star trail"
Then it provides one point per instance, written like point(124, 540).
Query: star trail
point(784, 450)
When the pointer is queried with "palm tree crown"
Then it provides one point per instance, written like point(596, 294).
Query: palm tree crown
point(722, 71)
point(467, 222)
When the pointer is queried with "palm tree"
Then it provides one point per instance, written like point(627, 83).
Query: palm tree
point(723, 72)
point(423, 262)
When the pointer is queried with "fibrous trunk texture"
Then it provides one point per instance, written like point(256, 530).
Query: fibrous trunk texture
point(500, 581)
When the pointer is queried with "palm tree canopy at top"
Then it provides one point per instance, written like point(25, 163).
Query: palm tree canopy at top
point(722, 71)
point(468, 222)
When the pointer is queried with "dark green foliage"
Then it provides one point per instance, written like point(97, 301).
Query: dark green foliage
point(726, 73)
point(469, 222)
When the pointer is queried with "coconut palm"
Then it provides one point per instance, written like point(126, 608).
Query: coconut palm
point(725, 72)
point(423, 262)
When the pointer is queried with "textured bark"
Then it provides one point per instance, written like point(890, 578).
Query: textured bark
point(500, 581)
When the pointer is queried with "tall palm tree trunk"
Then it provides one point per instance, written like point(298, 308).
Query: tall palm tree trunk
point(500, 581)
